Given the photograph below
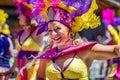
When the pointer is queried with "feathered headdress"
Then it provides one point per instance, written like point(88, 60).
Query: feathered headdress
point(4, 28)
point(24, 7)
point(108, 18)
point(75, 14)
point(3, 17)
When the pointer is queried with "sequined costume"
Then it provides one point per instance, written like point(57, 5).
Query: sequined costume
point(80, 72)
point(69, 71)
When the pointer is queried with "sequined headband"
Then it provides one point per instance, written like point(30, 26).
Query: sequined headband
point(59, 15)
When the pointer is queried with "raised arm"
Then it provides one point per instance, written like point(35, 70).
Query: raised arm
point(99, 51)
point(11, 48)
point(38, 38)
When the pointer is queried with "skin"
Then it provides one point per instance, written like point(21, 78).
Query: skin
point(27, 28)
point(60, 35)
point(11, 47)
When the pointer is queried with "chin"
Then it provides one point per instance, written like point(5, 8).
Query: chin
point(26, 30)
point(60, 44)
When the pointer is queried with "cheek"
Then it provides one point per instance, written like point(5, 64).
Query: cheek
point(20, 23)
point(24, 28)
point(50, 36)
point(64, 34)
point(27, 27)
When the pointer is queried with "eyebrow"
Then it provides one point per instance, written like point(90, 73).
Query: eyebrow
point(55, 24)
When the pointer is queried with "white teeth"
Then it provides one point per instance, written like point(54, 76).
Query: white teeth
point(56, 38)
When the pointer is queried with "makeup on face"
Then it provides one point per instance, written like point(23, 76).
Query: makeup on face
point(58, 33)
point(23, 22)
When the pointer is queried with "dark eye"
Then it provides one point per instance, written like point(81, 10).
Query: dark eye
point(57, 29)
point(49, 30)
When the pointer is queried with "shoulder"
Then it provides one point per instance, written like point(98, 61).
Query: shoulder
point(18, 32)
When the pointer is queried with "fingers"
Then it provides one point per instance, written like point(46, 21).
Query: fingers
point(80, 41)
point(117, 50)
point(77, 42)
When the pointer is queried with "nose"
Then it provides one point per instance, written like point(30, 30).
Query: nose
point(54, 32)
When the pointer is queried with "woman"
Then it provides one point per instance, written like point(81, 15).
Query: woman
point(6, 53)
point(69, 61)
point(6, 45)
point(75, 61)
point(28, 45)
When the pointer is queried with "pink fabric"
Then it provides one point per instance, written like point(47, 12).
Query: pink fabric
point(53, 53)
point(110, 42)
point(21, 63)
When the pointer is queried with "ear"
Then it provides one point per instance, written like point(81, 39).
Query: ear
point(51, 14)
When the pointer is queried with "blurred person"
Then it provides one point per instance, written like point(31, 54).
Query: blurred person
point(111, 24)
point(6, 45)
point(29, 43)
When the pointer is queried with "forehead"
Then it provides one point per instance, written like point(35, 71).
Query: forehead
point(21, 16)
point(55, 24)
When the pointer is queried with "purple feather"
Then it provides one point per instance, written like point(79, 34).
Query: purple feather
point(116, 21)
point(42, 27)
point(106, 23)
point(81, 5)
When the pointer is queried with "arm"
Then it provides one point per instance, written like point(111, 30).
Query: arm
point(38, 38)
point(9, 73)
point(10, 48)
point(41, 70)
point(99, 51)
point(15, 64)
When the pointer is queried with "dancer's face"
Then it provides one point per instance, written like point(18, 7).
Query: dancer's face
point(23, 22)
point(59, 33)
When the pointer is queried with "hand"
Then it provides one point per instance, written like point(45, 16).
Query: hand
point(80, 41)
point(8, 74)
point(117, 49)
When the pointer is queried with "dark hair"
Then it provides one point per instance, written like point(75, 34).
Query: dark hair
point(27, 20)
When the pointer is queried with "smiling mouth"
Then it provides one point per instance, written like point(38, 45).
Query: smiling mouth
point(57, 39)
